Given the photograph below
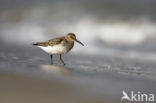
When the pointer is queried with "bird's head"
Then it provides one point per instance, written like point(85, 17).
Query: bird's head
point(72, 37)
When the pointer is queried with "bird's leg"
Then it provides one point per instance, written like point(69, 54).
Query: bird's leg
point(51, 56)
point(62, 59)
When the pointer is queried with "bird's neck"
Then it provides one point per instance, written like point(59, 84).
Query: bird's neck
point(69, 41)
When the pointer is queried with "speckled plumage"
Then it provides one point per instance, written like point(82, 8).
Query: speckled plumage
point(60, 45)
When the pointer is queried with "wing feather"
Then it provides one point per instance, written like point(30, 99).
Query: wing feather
point(50, 42)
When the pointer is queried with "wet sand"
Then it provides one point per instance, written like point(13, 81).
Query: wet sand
point(25, 89)
point(27, 77)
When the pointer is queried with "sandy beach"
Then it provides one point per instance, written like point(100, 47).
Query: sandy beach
point(23, 89)
point(85, 79)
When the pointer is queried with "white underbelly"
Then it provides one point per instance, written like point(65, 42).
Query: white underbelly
point(57, 49)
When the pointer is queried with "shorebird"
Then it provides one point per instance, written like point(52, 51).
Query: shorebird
point(58, 46)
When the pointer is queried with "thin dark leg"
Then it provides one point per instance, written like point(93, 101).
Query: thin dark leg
point(51, 56)
point(62, 59)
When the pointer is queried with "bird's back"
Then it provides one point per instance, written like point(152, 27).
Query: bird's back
point(50, 42)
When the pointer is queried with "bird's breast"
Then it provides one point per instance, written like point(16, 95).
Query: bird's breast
point(57, 49)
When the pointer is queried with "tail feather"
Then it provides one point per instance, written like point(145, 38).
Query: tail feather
point(35, 44)
point(41, 44)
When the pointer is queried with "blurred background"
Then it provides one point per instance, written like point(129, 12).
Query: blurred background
point(96, 23)
point(120, 50)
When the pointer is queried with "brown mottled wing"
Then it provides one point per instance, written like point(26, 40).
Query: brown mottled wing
point(55, 41)
point(50, 42)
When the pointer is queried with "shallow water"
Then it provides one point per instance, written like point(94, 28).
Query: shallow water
point(94, 76)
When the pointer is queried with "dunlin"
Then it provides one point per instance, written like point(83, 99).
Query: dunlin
point(58, 46)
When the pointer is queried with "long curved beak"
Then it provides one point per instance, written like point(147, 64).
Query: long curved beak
point(79, 42)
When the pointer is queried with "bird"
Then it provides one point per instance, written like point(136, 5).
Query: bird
point(59, 45)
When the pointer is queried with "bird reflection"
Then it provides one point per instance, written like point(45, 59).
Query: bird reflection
point(58, 70)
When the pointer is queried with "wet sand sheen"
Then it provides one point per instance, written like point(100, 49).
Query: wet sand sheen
point(85, 78)
point(23, 89)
